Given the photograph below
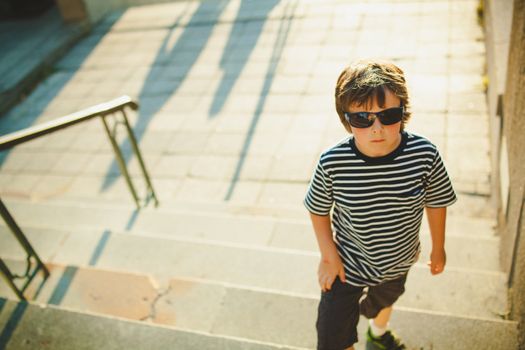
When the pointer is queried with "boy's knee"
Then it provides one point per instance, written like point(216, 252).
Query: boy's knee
point(369, 309)
point(381, 296)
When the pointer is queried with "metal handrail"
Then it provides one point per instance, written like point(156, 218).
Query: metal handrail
point(103, 109)
point(98, 111)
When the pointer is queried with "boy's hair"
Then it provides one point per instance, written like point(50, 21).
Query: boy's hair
point(364, 81)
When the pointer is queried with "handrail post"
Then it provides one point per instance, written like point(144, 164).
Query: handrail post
point(136, 149)
point(11, 223)
point(19, 235)
point(121, 163)
point(9, 278)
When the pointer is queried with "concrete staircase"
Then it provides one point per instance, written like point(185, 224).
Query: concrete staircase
point(229, 273)
point(238, 93)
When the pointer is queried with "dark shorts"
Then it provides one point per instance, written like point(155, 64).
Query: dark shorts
point(340, 307)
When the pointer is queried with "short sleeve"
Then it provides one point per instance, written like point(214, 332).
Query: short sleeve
point(439, 187)
point(319, 198)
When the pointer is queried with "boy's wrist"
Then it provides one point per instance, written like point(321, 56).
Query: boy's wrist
point(438, 249)
point(329, 255)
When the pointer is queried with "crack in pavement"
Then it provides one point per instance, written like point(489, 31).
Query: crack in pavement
point(153, 309)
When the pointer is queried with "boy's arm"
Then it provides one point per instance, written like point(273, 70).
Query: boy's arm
point(436, 221)
point(330, 265)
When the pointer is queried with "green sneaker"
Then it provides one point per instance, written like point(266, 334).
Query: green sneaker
point(387, 341)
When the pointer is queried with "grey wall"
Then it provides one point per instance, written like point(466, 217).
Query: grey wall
point(505, 42)
point(497, 24)
point(512, 220)
point(505, 70)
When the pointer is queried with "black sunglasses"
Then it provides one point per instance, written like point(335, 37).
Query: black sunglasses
point(366, 119)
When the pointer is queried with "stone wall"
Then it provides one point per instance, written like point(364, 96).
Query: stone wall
point(505, 42)
point(497, 18)
point(513, 230)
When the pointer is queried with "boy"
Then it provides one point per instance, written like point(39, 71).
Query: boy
point(377, 183)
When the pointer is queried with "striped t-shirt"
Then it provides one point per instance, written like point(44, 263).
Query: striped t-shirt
point(378, 204)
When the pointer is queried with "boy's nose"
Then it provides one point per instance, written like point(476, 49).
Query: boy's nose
point(377, 125)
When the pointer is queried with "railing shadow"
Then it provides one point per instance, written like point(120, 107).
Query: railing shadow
point(280, 42)
point(12, 323)
point(99, 249)
point(196, 34)
point(63, 285)
point(232, 66)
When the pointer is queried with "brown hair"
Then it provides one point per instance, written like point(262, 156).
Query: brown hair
point(365, 81)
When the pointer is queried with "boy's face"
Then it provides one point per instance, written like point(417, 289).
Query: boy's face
point(377, 140)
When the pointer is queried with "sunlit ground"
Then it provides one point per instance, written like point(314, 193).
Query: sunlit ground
point(236, 96)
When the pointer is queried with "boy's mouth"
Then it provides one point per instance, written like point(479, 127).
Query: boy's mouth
point(377, 141)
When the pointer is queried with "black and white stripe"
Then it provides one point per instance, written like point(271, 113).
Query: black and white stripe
point(378, 204)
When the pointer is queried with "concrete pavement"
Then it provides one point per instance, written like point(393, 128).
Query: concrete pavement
point(236, 97)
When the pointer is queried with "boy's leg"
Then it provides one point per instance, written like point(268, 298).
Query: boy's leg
point(377, 305)
point(380, 298)
point(338, 316)
point(383, 317)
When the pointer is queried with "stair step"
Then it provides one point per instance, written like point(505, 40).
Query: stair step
point(463, 251)
point(477, 226)
point(35, 326)
point(234, 311)
point(470, 242)
point(467, 206)
point(476, 292)
point(90, 214)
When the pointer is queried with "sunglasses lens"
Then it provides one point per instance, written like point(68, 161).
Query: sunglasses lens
point(360, 120)
point(391, 116)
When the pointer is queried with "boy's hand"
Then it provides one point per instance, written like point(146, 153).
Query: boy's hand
point(329, 269)
point(438, 259)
